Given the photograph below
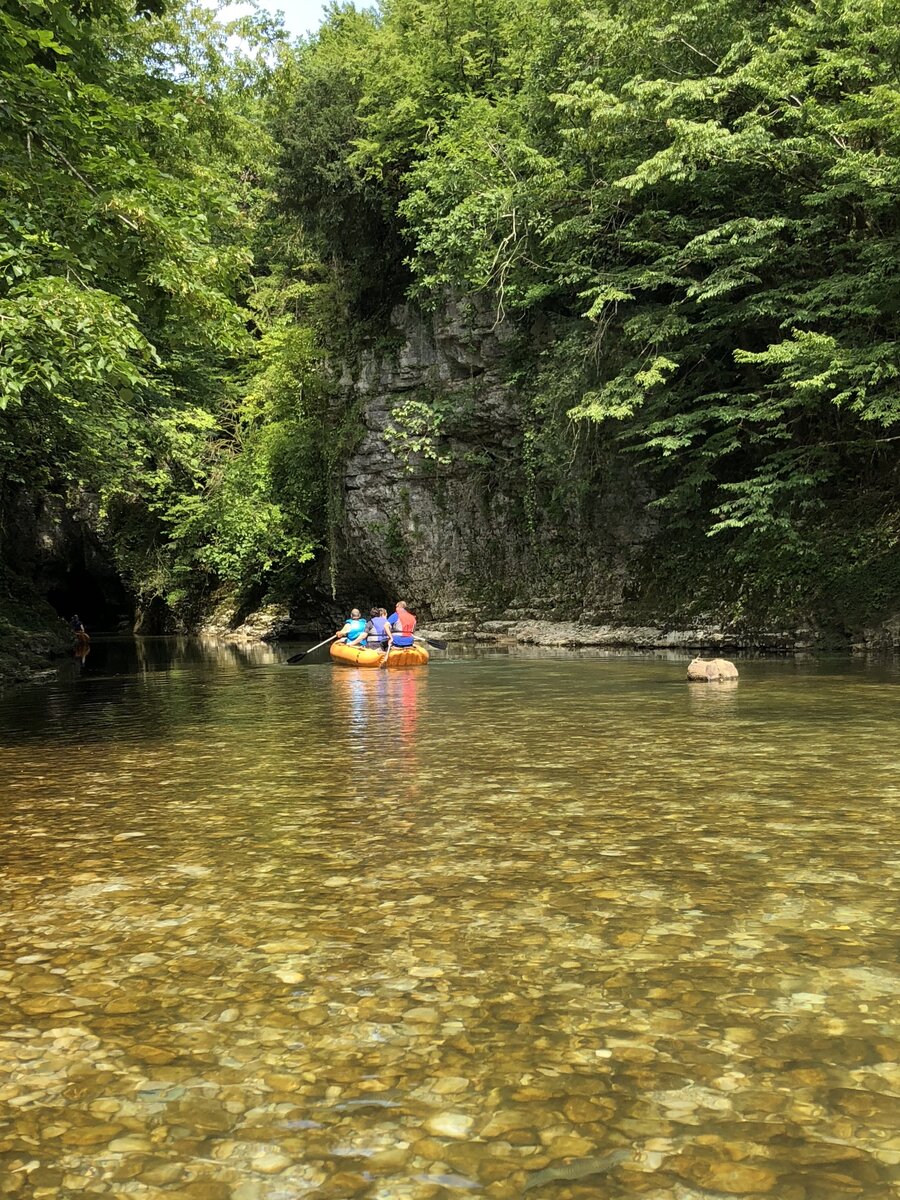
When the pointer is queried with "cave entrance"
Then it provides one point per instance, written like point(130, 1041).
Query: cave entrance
point(102, 602)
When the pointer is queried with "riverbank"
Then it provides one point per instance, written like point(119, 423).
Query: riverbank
point(33, 638)
point(275, 623)
point(884, 638)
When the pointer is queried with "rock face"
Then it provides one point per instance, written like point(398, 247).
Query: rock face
point(55, 545)
point(47, 552)
point(714, 670)
point(883, 638)
point(437, 508)
point(271, 623)
point(32, 637)
point(434, 504)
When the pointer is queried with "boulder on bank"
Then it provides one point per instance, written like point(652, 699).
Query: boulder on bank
point(711, 670)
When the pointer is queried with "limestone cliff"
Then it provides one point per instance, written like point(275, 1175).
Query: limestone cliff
point(56, 544)
point(441, 506)
point(436, 493)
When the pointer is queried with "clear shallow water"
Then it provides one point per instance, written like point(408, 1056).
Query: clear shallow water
point(513, 924)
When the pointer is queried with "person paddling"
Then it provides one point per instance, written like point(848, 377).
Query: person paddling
point(353, 631)
point(401, 624)
point(376, 628)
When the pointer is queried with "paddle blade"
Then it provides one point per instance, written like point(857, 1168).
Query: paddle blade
point(438, 645)
point(295, 658)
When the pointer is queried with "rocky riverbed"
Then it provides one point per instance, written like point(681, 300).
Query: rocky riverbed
point(578, 930)
point(164, 1051)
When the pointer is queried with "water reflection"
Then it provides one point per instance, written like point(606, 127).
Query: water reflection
point(385, 712)
point(714, 700)
point(562, 927)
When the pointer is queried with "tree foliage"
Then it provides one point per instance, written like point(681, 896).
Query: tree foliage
point(135, 167)
point(696, 205)
point(701, 199)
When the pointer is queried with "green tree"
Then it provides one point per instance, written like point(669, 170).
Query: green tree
point(136, 166)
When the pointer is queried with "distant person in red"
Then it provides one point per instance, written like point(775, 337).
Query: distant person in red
point(81, 634)
point(402, 625)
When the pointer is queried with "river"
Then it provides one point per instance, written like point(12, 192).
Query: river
point(555, 925)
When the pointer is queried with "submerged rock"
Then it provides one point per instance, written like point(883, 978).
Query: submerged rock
point(732, 1179)
point(449, 1124)
point(270, 1164)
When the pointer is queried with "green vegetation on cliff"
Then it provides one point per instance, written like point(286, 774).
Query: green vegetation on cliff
point(689, 211)
point(701, 202)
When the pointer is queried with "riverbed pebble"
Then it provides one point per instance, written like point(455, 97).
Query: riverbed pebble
point(450, 1124)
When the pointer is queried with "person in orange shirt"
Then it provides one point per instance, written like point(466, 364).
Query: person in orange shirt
point(401, 626)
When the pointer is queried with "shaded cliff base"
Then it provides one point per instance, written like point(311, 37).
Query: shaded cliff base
point(32, 636)
point(666, 614)
point(884, 638)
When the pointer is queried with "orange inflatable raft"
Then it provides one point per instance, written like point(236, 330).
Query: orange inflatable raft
point(363, 656)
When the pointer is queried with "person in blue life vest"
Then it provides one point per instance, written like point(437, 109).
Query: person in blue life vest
point(376, 632)
point(400, 626)
point(353, 631)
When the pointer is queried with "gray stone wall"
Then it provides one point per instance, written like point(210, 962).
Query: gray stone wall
point(438, 518)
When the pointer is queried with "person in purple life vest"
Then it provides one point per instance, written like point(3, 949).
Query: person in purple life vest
point(376, 631)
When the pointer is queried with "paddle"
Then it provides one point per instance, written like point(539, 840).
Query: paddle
point(295, 658)
point(438, 645)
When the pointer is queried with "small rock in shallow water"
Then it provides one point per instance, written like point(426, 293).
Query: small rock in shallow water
point(581, 1111)
point(734, 1179)
point(131, 1144)
point(504, 1122)
point(254, 1190)
point(390, 1159)
point(288, 946)
point(289, 976)
point(270, 1164)
point(449, 1124)
point(41, 1004)
point(422, 1015)
point(204, 1189)
point(282, 1083)
point(90, 1135)
point(155, 1055)
point(309, 1018)
point(162, 1174)
point(206, 1115)
point(448, 1084)
point(702, 670)
point(569, 1146)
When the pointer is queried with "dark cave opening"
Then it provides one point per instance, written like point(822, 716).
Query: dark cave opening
point(101, 601)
